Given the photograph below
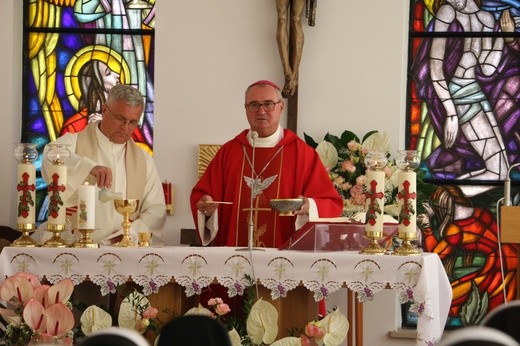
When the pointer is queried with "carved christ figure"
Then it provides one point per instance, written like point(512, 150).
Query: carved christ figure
point(290, 41)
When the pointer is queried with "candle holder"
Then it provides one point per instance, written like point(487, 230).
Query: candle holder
point(25, 154)
point(85, 241)
point(407, 161)
point(126, 207)
point(58, 154)
point(375, 161)
point(144, 238)
point(86, 215)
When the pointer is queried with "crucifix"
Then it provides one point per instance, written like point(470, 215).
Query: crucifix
point(289, 36)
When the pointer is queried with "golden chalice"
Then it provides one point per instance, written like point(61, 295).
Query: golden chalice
point(126, 207)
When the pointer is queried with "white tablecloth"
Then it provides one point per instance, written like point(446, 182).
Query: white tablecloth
point(420, 279)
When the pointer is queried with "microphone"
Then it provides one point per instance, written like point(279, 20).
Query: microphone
point(507, 185)
point(254, 137)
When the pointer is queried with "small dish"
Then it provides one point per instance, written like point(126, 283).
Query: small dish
point(286, 206)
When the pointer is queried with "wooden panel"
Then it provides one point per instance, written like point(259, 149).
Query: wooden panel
point(510, 224)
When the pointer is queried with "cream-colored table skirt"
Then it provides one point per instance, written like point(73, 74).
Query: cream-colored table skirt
point(420, 279)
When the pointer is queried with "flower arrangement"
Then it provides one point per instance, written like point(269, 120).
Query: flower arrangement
point(262, 326)
point(135, 312)
point(344, 159)
point(35, 313)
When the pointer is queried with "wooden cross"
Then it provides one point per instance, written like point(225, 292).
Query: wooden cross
point(406, 196)
point(25, 198)
point(292, 101)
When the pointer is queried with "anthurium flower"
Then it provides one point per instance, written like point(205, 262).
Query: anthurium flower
point(40, 294)
point(11, 317)
point(234, 337)
point(200, 310)
point(328, 154)
point(335, 325)
point(288, 341)
point(34, 315)
point(131, 309)
point(17, 290)
point(60, 320)
point(33, 279)
point(377, 141)
point(93, 319)
point(262, 323)
point(61, 291)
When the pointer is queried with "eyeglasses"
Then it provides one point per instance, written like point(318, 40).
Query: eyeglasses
point(268, 106)
point(121, 120)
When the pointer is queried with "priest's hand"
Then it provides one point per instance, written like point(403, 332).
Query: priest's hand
point(304, 210)
point(206, 206)
point(103, 176)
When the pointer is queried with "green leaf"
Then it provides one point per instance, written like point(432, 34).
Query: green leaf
point(310, 141)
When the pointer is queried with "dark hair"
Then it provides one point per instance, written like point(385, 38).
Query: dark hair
point(194, 330)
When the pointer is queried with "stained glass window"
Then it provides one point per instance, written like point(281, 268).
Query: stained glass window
point(74, 52)
point(463, 110)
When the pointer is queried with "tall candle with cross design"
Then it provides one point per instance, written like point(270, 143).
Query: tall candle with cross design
point(25, 153)
point(407, 201)
point(375, 198)
point(375, 161)
point(57, 155)
point(407, 161)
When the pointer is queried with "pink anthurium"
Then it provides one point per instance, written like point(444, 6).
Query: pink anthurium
point(17, 290)
point(34, 315)
point(33, 279)
point(60, 320)
point(41, 294)
point(11, 317)
point(61, 291)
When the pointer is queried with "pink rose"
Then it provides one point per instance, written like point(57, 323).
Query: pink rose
point(361, 180)
point(150, 312)
point(222, 309)
point(353, 145)
point(314, 331)
point(348, 166)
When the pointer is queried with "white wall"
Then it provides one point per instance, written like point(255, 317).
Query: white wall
point(353, 76)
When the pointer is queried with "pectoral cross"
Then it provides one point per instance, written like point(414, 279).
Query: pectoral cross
point(407, 197)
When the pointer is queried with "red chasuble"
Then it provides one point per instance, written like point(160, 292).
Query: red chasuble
point(288, 170)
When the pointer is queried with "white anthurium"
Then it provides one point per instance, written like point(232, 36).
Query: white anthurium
point(392, 209)
point(200, 310)
point(328, 154)
point(129, 316)
point(335, 325)
point(288, 341)
point(377, 141)
point(262, 323)
point(234, 337)
point(93, 319)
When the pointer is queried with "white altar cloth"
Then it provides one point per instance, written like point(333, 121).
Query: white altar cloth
point(419, 279)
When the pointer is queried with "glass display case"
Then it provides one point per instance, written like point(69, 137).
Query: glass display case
point(332, 236)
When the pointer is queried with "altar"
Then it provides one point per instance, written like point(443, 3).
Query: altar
point(183, 272)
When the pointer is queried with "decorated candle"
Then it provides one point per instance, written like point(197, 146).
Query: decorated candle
point(375, 199)
point(56, 189)
point(407, 201)
point(86, 207)
point(167, 189)
point(26, 194)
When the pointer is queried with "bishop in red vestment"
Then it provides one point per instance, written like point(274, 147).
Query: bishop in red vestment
point(284, 167)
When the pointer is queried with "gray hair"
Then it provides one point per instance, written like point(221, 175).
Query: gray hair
point(126, 93)
point(263, 85)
